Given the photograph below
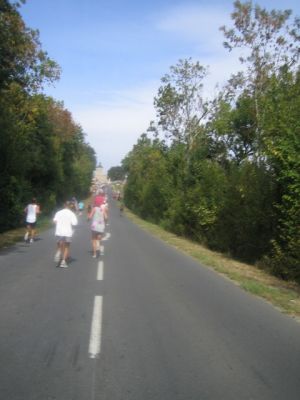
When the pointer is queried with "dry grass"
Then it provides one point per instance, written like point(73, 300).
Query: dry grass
point(283, 295)
point(16, 235)
point(11, 237)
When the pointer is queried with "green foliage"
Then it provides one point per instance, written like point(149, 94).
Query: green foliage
point(282, 144)
point(22, 59)
point(147, 187)
point(179, 103)
point(230, 175)
point(116, 173)
point(246, 221)
point(42, 150)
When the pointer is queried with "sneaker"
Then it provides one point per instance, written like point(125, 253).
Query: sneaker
point(26, 236)
point(63, 264)
point(31, 240)
point(94, 255)
point(57, 257)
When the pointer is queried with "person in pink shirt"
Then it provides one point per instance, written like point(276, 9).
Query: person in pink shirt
point(98, 217)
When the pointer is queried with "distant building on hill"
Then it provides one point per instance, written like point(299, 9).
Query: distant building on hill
point(99, 179)
point(99, 175)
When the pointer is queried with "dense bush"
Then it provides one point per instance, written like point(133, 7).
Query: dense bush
point(42, 150)
point(229, 172)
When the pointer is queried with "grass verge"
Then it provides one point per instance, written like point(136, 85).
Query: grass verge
point(16, 235)
point(44, 222)
point(283, 295)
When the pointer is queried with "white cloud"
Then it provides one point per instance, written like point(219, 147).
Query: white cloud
point(220, 70)
point(113, 126)
point(199, 25)
point(196, 23)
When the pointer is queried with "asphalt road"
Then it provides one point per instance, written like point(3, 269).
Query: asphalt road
point(142, 322)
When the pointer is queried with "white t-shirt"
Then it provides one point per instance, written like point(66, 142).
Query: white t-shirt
point(65, 219)
point(31, 213)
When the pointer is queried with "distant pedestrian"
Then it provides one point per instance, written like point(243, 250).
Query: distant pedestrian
point(98, 217)
point(65, 220)
point(89, 210)
point(74, 205)
point(32, 210)
point(105, 210)
point(80, 207)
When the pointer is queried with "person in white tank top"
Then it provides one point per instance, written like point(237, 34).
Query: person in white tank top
point(32, 210)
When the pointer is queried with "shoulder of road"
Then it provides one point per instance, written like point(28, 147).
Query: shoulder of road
point(285, 296)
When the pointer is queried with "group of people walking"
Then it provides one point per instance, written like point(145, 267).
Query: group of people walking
point(65, 220)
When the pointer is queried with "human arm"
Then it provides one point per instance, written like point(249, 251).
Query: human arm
point(74, 220)
point(91, 213)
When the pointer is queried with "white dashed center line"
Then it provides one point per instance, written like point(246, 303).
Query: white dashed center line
point(95, 337)
point(100, 271)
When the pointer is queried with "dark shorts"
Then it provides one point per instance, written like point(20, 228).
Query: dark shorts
point(96, 234)
point(65, 239)
point(31, 224)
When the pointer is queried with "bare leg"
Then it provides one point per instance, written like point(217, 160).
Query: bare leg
point(62, 249)
point(27, 234)
point(94, 245)
point(66, 251)
point(58, 254)
point(32, 233)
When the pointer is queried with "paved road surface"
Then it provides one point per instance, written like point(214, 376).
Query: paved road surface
point(142, 322)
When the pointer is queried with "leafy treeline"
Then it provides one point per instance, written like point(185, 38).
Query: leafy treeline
point(117, 173)
point(42, 150)
point(226, 172)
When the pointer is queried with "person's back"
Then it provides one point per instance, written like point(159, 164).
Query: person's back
point(65, 219)
point(32, 210)
point(97, 220)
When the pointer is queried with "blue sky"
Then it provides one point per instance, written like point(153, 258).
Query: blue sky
point(114, 53)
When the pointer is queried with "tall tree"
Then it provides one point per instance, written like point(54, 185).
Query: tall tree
point(282, 127)
point(270, 43)
point(22, 59)
point(179, 103)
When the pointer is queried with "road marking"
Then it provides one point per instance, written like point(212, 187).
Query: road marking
point(100, 271)
point(95, 337)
